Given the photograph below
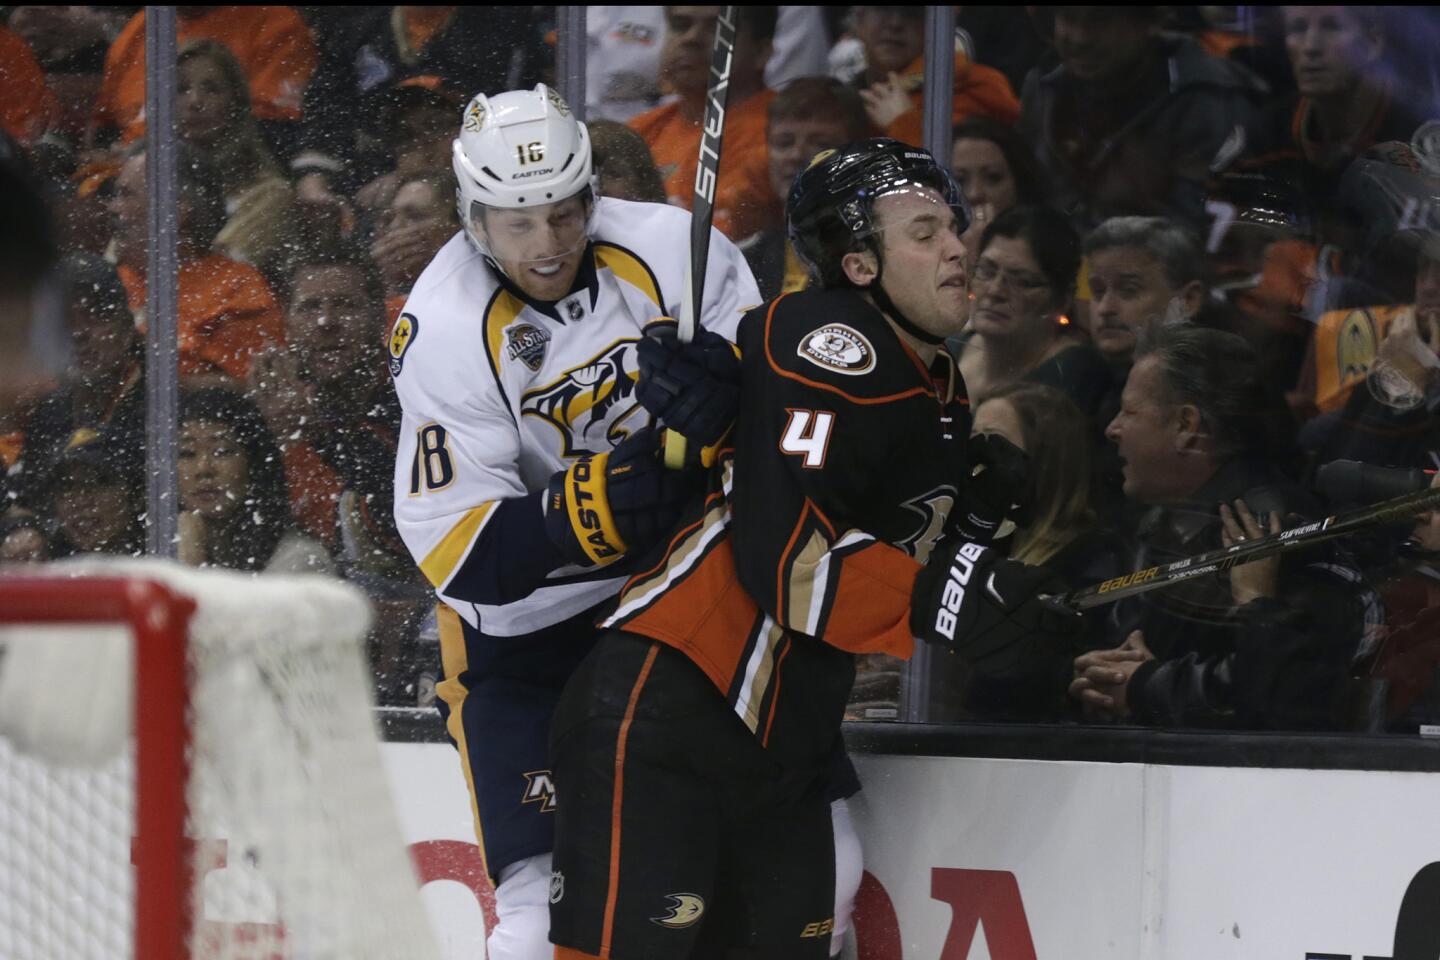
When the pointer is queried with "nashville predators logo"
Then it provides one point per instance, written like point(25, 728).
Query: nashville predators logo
point(539, 788)
point(475, 117)
point(685, 909)
point(561, 107)
point(1355, 345)
point(590, 404)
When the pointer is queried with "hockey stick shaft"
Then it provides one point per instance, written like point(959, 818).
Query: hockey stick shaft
point(702, 208)
point(1215, 561)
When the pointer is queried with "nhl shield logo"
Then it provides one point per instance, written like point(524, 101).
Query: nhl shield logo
point(527, 344)
point(557, 886)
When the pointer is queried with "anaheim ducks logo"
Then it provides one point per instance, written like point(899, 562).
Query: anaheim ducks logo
point(685, 909)
point(591, 403)
point(839, 348)
point(1355, 345)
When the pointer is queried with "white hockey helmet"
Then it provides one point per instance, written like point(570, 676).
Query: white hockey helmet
point(518, 149)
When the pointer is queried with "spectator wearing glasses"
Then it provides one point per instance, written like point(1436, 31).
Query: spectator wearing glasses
point(1020, 329)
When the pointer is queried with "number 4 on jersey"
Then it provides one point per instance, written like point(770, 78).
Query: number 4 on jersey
point(807, 434)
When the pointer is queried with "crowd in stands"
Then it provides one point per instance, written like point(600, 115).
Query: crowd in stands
point(1204, 260)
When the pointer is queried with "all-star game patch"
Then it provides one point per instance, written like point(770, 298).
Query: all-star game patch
point(527, 344)
point(407, 328)
point(839, 348)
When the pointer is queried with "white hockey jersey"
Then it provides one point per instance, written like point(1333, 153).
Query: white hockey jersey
point(500, 392)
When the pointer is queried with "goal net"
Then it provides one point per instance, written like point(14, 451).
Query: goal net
point(190, 768)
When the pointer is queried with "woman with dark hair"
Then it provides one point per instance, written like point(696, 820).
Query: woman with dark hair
point(235, 510)
point(1022, 289)
point(95, 494)
point(995, 166)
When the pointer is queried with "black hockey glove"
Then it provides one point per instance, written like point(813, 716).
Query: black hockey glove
point(692, 388)
point(609, 504)
point(998, 487)
point(986, 608)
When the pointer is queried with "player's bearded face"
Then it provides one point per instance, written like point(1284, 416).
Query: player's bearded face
point(539, 247)
point(924, 260)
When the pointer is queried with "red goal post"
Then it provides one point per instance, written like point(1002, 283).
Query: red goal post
point(158, 619)
point(190, 769)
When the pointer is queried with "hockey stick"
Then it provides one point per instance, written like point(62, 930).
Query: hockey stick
point(702, 208)
point(1214, 561)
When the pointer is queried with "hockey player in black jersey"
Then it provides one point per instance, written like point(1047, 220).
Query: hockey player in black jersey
point(692, 744)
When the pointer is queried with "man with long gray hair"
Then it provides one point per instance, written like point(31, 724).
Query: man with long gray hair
point(1268, 645)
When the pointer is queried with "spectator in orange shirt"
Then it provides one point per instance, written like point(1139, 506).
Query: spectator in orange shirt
point(226, 310)
point(744, 203)
point(27, 107)
point(272, 44)
point(70, 42)
point(894, 78)
point(212, 111)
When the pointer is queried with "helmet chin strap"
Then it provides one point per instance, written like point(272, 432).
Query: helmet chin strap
point(883, 301)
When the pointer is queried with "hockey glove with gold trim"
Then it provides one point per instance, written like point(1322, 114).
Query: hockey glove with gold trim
point(606, 505)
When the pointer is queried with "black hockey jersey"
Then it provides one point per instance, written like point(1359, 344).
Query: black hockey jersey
point(844, 467)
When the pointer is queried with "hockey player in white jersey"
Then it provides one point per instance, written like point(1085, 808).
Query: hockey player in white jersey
point(527, 469)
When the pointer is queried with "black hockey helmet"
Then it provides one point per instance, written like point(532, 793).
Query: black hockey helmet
point(831, 211)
